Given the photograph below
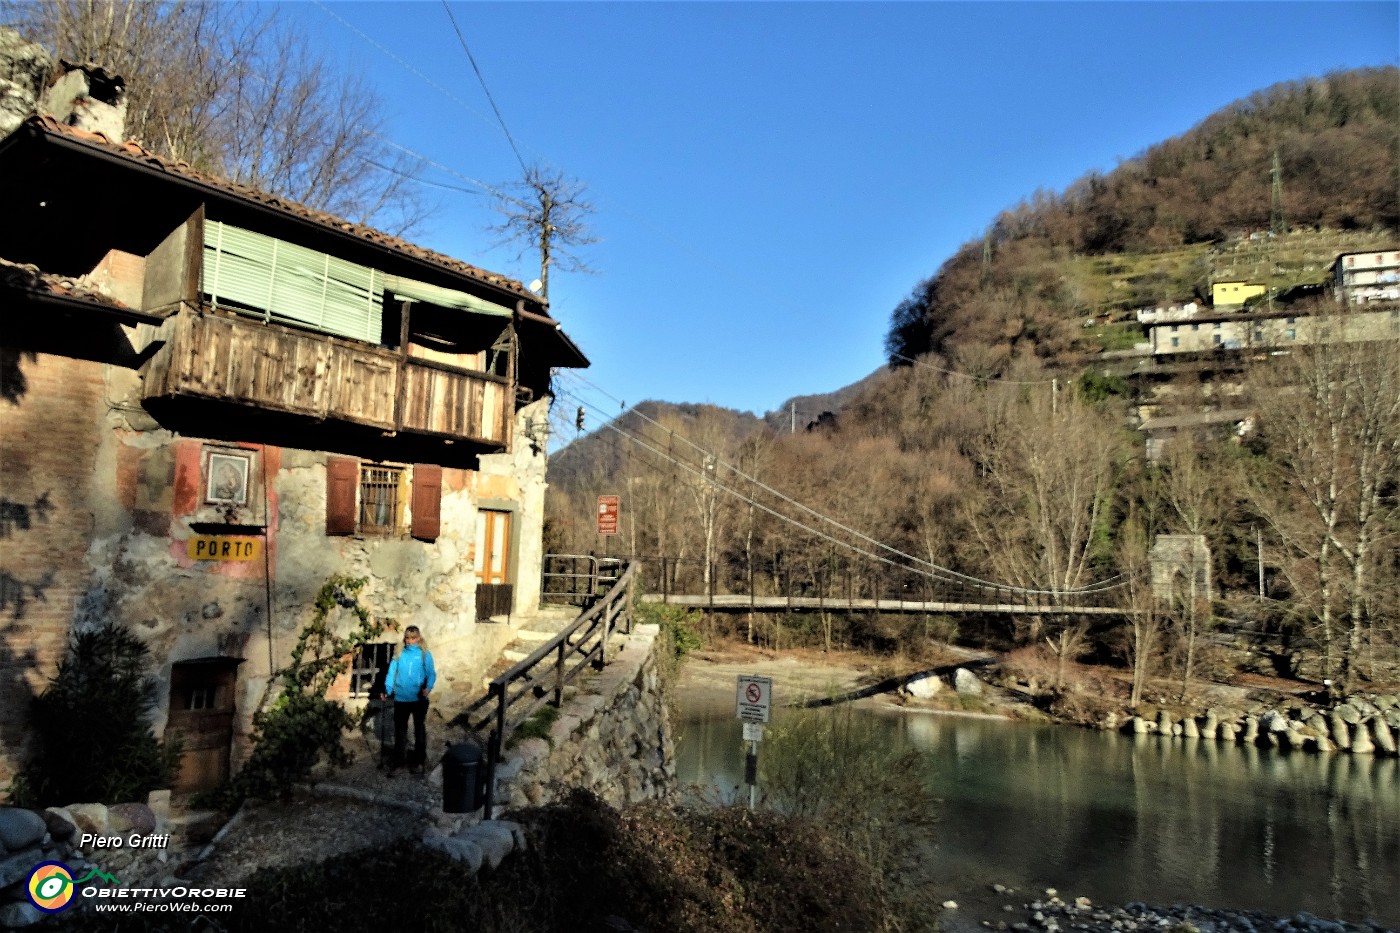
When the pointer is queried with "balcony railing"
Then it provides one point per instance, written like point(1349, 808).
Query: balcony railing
point(281, 369)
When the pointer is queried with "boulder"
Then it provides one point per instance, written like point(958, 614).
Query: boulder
point(20, 828)
point(965, 682)
point(16, 866)
point(1273, 721)
point(90, 817)
point(19, 914)
point(1210, 726)
point(1251, 730)
point(923, 686)
point(1189, 729)
point(458, 849)
point(1164, 722)
point(1340, 734)
point(1350, 714)
point(1138, 726)
point(1361, 743)
point(1380, 734)
point(60, 823)
point(131, 818)
point(495, 842)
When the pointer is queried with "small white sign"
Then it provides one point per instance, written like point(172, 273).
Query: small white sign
point(753, 732)
point(754, 699)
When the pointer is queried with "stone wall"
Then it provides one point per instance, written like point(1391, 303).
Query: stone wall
point(613, 737)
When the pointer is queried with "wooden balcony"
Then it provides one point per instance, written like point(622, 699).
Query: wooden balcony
point(278, 368)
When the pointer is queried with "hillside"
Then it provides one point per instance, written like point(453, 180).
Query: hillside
point(606, 453)
point(1162, 226)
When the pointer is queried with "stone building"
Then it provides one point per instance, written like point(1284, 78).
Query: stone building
point(213, 399)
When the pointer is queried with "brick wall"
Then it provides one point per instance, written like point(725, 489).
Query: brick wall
point(49, 437)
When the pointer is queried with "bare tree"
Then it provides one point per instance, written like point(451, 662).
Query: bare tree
point(546, 212)
point(1049, 469)
point(1331, 419)
point(231, 90)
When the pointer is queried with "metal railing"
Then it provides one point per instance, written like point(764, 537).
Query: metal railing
point(515, 696)
point(578, 578)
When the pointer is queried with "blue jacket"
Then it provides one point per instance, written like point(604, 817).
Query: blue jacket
point(409, 673)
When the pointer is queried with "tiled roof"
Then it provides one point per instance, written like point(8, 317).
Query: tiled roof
point(31, 279)
point(133, 151)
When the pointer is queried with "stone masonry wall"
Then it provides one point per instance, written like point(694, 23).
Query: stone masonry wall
point(613, 737)
point(96, 506)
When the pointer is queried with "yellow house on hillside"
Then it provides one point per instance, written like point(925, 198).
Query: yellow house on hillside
point(1233, 294)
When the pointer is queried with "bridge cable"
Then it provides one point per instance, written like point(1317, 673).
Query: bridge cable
point(953, 575)
point(935, 571)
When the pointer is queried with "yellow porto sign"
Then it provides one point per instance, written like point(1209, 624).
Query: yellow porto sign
point(223, 547)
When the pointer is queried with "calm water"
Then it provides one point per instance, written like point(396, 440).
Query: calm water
point(1127, 818)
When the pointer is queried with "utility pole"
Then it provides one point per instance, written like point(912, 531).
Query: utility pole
point(1259, 546)
point(793, 428)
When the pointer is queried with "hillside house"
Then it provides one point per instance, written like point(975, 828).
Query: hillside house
point(214, 399)
point(1229, 296)
point(1360, 278)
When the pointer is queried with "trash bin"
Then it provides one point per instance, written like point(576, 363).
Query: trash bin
point(463, 778)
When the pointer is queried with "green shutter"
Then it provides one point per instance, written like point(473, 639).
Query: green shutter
point(291, 283)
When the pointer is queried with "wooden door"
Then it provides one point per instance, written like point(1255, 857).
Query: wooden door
point(493, 547)
point(494, 593)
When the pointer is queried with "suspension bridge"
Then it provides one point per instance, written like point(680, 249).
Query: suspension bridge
point(830, 587)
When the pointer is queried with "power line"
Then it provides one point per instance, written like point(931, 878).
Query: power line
point(934, 571)
point(831, 521)
point(389, 52)
point(472, 58)
point(985, 380)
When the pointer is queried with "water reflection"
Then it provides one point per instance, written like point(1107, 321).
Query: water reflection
point(1123, 818)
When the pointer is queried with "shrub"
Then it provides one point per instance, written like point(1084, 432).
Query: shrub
point(93, 738)
point(823, 766)
point(291, 736)
point(679, 625)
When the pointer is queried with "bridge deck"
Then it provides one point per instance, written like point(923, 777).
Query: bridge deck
point(743, 603)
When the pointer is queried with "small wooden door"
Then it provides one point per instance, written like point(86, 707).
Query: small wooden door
point(201, 716)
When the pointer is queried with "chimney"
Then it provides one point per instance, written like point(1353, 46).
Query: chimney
point(87, 97)
point(23, 68)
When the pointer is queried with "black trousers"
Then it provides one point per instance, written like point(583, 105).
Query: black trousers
point(418, 709)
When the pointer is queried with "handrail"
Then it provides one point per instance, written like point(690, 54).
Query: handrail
point(583, 642)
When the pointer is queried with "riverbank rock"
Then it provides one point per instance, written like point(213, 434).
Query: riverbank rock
point(1380, 735)
point(965, 682)
point(1341, 735)
point(20, 828)
point(923, 686)
point(1361, 743)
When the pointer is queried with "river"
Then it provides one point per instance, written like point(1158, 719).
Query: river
point(1122, 818)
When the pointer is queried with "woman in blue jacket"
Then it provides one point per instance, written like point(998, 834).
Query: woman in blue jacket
point(411, 679)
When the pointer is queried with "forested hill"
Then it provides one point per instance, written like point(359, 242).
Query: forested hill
point(1027, 287)
point(607, 453)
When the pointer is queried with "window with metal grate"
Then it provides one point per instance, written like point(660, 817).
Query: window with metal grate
point(381, 502)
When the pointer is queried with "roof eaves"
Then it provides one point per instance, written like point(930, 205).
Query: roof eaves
point(132, 154)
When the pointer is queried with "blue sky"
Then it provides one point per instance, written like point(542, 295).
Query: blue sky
point(771, 179)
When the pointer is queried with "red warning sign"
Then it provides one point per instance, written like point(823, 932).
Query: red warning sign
point(608, 508)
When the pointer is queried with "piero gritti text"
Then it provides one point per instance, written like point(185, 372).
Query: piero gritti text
point(134, 841)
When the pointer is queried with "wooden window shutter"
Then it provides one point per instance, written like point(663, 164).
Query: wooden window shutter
point(427, 501)
point(342, 480)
